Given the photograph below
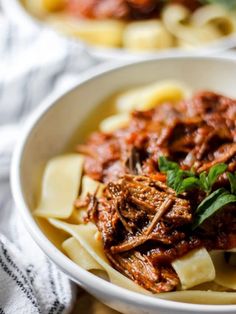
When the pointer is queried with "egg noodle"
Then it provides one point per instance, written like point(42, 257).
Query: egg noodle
point(204, 276)
point(176, 27)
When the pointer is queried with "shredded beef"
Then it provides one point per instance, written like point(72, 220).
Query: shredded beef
point(143, 223)
point(140, 269)
point(122, 9)
point(136, 211)
point(197, 133)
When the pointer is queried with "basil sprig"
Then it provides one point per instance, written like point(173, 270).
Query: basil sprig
point(211, 204)
point(177, 179)
point(207, 181)
point(182, 180)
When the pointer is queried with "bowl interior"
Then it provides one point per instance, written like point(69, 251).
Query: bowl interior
point(52, 128)
point(67, 122)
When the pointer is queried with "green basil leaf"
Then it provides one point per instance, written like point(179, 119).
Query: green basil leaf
point(232, 181)
point(166, 165)
point(215, 172)
point(178, 180)
point(203, 181)
point(207, 181)
point(171, 178)
point(209, 200)
point(176, 176)
point(188, 173)
point(188, 184)
point(212, 204)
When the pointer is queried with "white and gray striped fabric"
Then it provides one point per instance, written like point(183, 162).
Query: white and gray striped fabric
point(33, 63)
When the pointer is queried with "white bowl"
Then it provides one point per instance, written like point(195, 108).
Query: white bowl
point(17, 13)
point(52, 126)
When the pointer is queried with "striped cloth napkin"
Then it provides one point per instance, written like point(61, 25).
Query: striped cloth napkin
point(33, 63)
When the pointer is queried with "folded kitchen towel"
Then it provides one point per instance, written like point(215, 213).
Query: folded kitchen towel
point(34, 61)
point(29, 282)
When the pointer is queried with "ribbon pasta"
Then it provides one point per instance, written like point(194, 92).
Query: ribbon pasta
point(60, 186)
point(215, 15)
point(225, 273)
point(176, 19)
point(148, 97)
point(194, 268)
point(147, 35)
point(108, 33)
point(79, 255)
point(114, 122)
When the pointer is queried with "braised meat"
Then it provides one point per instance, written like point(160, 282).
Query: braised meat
point(134, 212)
point(196, 133)
point(122, 9)
point(145, 223)
point(140, 269)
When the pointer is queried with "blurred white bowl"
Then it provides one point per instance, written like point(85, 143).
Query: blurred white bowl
point(62, 115)
point(16, 12)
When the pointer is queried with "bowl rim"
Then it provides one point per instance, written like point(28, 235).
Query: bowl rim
point(61, 260)
point(15, 10)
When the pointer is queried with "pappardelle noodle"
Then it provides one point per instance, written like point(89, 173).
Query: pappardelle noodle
point(149, 200)
point(136, 25)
